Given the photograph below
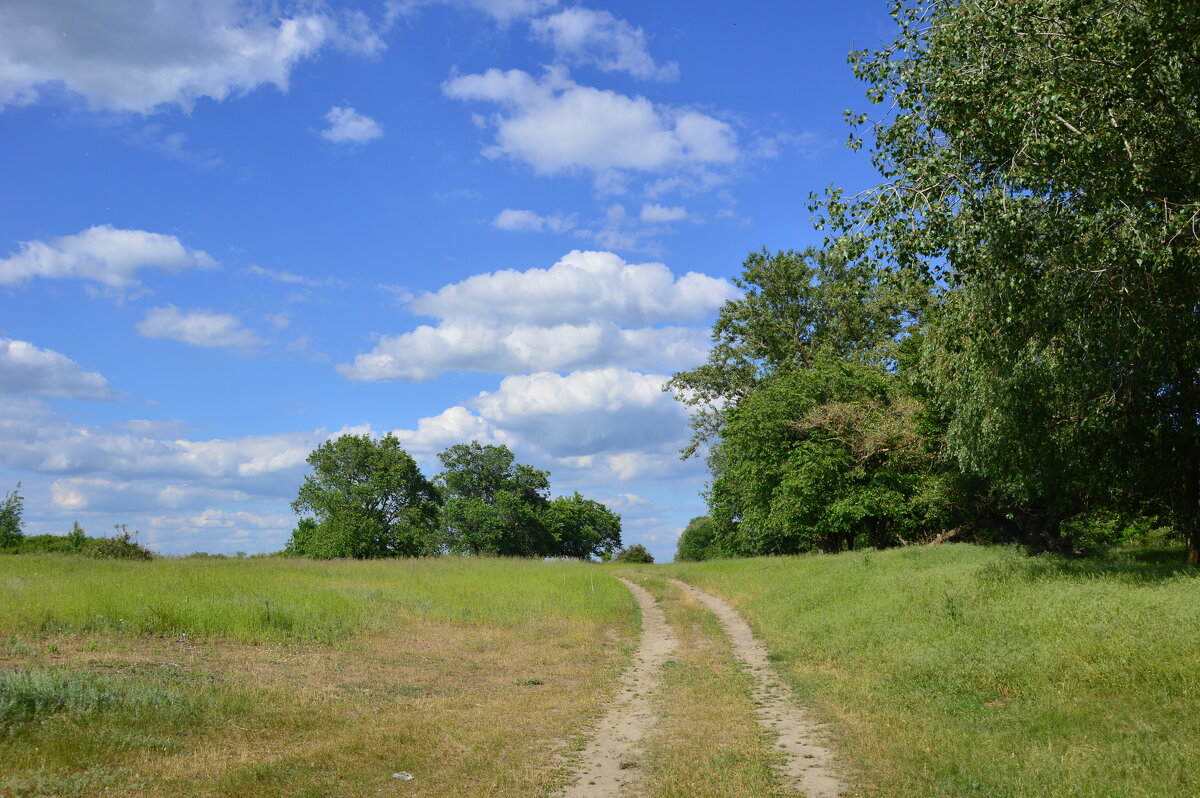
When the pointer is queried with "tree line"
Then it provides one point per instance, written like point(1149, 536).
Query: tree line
point(366, 497)
point(1002, 338)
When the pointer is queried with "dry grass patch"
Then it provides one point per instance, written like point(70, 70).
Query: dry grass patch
point(469, 707)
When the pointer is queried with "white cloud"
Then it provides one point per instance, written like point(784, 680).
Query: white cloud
point(657, 214)
point(589, 310)
point(557, 126)
point(102, 254)
point(590, 412)
point(280, 276)
point(582, 36)
point(200, 327)
point(599, 428)
point(348, 125)
point(30, 370)
point(503, 11)
point(93, 493)
point(581, 286)
point(505, 348)
point(530, 222)
point(141, 55)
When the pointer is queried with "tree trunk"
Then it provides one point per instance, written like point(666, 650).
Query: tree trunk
point(1189, 467)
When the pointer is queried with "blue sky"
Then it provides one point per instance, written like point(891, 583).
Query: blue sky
point(230, 230)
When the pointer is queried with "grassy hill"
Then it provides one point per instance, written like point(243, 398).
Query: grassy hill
point(967, 671)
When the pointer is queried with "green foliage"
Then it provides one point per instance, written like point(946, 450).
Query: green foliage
point(582, 528)
point(121, 546)
point(795, 308)
point(637, 554)
point(494, 505)
point(1043, 164)
point(367, 498)
point(698, 540)
point(827, 458)
point(76, 538)
point(34, 695)
point(10, 518)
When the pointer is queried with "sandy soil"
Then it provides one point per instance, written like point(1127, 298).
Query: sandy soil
point(611, 764)
point(808, 765)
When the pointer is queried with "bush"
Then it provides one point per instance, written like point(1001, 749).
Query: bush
point(635, 554)
point(121, 546)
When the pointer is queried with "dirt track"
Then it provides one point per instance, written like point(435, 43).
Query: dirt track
point(808, 765)
point(611, 765)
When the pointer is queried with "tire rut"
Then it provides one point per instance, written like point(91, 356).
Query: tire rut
point(611, 763)
point(808, 765)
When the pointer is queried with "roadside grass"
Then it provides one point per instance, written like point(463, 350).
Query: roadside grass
point(708, 743)
point(280, 677)
point(959, 670)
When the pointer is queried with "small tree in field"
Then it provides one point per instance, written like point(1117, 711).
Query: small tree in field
point(10, 518)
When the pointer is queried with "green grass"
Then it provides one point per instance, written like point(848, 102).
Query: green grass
point(271, 676)
point(262, 600)
point(970, 671)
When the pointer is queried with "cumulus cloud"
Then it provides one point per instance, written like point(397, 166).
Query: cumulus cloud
point(141, 55)
point(501, 10)
point(581, 286)
point(530, 222)
point(605, 427)
point(349, 126)
point(657, 214)
point(103, 255)
point(30, 370)
point(200, 327)
point(582, 36)
point(591, 309)
point(59, 447)
point(558, 126)
point(500, 348)
point(75, 494)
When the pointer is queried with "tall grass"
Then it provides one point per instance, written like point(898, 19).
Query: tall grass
point(260, 600)
point(969, 671)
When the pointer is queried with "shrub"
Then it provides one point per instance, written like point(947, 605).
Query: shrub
point(636, 554)
point(121, 546)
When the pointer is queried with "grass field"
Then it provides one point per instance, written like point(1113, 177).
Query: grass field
point(967, 671)
point(239, 677)
point(942, 671)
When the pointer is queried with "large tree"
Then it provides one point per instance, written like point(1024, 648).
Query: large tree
point(795, 307)
point(365, 497)
point(1041, 163)
point(494, 505)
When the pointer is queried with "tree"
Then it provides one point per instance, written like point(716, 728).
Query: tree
point(367, 498)
point(10, 518)
point(698, 540)
point(826, 458)
point(1043, 166)
point(494, 505)
point(582, 527)
point(796, 307)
